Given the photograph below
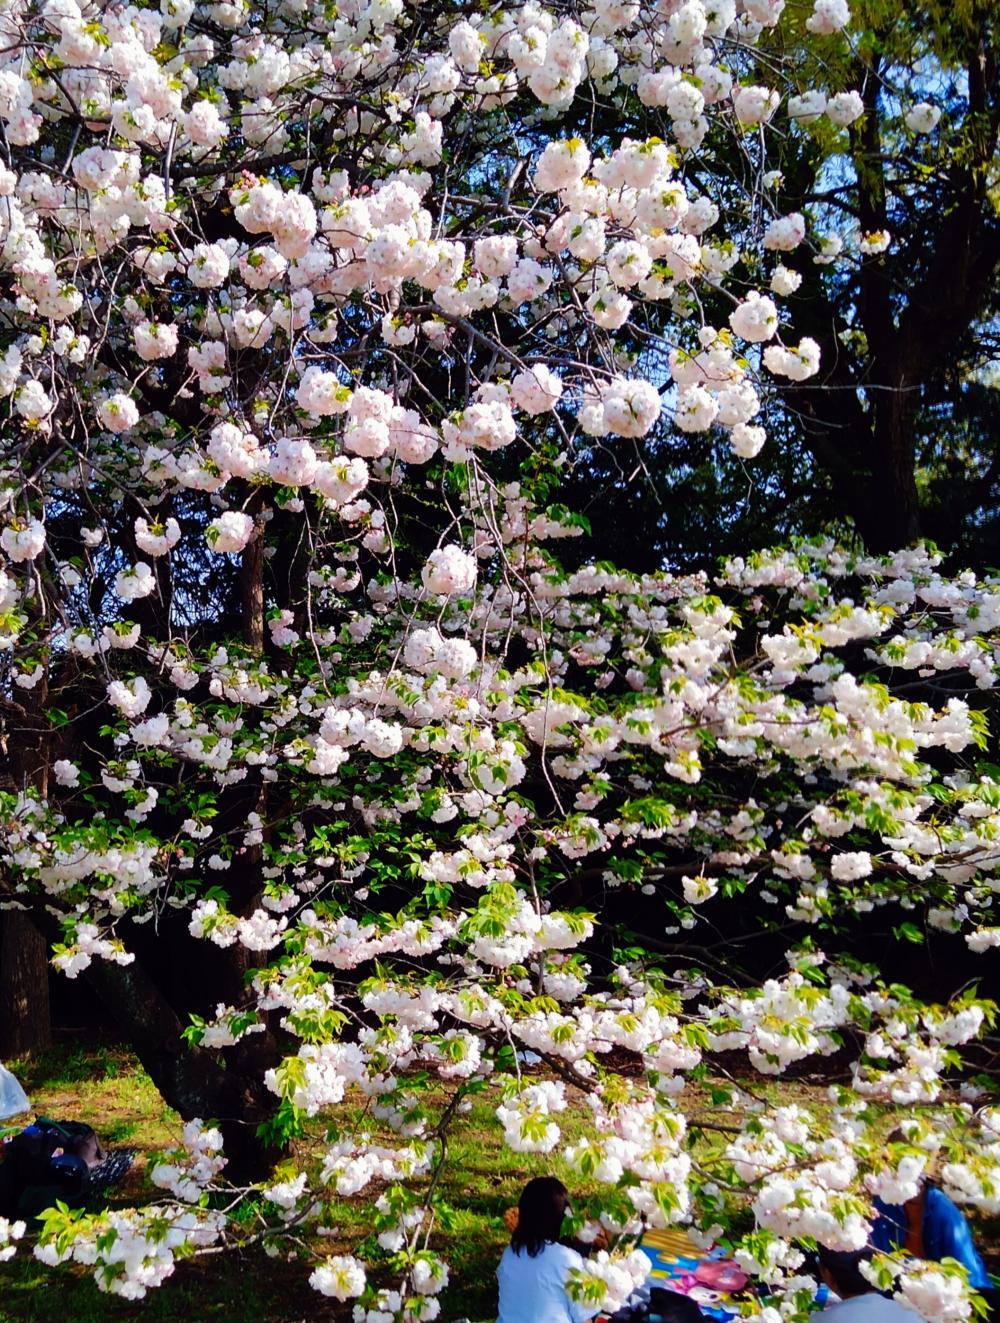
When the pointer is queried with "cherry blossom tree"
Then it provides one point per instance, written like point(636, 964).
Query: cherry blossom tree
point(306, 310)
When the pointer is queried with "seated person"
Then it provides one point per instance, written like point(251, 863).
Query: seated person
point(928, 1226)
point(859, 1301)
point(534, 1269)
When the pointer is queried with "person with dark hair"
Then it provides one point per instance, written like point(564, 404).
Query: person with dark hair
point(535, 1268)
point(671, 1307)
point(859, 1301)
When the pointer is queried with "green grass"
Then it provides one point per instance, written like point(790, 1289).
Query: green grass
point(106, 1087)
point(222, 1290)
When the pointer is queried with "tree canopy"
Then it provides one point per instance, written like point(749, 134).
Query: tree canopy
point(345, 761)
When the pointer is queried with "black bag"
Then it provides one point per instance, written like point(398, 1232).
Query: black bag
point(663, 1306)
point(46, 1162)
point(669, 1307)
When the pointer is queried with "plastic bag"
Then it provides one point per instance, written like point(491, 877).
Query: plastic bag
point(13, 1099)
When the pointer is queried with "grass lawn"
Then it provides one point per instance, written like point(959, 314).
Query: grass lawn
point(109, 1089)
point(106, 1087)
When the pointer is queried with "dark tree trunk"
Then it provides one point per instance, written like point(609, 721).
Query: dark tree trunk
point(25, 1022)
point(25, 1014)
point(252, 584)
point(887, 507)
point(894, 511)
point(193, 1081)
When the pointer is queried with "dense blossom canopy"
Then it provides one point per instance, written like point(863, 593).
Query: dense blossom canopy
point(305, 308)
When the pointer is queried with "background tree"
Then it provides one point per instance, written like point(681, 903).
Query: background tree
point(909, 336)
point(896, 437)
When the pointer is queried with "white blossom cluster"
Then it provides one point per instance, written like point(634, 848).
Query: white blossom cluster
point(379, 790)
point(620, 226)
point(130, 1250)
point(10, 1231)
point(192, 1167)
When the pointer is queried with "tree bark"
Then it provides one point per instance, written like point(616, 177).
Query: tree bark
point(192, 1080)
point(890, 517)
point(252, 583)
point(25, 1021)
point(25, 1013)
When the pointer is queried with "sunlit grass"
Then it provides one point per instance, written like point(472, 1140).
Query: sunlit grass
point(106, 1087)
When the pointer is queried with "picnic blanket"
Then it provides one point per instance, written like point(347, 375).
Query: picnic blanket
point(674, 1257)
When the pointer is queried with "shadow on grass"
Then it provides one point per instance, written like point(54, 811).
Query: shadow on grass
point(233, 1289)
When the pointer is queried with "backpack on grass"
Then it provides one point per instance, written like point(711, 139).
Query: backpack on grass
point(52, 1161)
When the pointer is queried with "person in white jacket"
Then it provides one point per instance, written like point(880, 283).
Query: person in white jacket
point(859, 1301)
point(535, 1268)
point(13, 1099)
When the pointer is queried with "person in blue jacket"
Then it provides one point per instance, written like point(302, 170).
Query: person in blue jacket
point(929, 1226)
